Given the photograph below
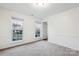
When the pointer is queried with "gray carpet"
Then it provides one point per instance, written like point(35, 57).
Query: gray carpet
point(40, 48)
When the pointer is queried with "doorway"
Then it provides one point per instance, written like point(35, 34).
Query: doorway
point(45, 31)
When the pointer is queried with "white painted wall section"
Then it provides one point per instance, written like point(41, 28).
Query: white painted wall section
point(6, 31)
point(63, 28)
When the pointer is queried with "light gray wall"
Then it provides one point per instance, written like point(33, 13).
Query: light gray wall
point(63, 28)
point(5, 28)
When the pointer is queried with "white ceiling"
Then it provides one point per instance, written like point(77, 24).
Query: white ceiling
point(39, 12)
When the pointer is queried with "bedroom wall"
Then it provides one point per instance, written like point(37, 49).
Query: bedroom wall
point(63, 28)
point(5, 28)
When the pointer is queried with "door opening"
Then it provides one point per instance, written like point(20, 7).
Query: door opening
point(45, 31)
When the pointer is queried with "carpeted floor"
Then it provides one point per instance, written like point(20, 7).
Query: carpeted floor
point(40, 48)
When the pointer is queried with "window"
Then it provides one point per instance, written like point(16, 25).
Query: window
point(17, 29)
